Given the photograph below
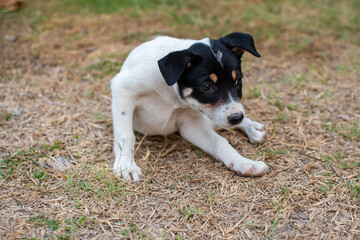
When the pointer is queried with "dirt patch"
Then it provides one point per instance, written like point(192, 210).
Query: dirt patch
point(55, 104)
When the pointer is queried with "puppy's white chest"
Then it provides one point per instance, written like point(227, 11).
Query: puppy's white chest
point(153, 115)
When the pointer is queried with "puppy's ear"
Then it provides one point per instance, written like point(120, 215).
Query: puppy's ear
point(173, 65)
point(238, 42)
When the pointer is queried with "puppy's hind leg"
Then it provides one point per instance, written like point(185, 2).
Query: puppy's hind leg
point(199, 132)
point(255, 131)
point(123, 106)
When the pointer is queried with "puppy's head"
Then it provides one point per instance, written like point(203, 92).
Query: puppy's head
point(209, 78)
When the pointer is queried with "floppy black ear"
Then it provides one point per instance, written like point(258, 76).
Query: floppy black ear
point(238, 42)
point(173, 65)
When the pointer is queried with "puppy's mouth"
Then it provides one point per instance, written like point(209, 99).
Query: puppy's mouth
point(227, 115)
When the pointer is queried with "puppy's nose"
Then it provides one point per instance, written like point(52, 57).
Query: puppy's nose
point(235, 118)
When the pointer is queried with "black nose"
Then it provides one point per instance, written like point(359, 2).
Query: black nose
point(236, 118)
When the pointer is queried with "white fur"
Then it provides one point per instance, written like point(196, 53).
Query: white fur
point(218, 56)
point(142, 101)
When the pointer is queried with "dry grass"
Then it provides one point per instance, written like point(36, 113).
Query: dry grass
point(55, 103)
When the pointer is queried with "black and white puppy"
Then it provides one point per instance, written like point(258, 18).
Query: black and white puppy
point(172, 85)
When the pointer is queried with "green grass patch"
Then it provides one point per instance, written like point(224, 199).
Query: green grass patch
point(281, 116)
point(296, 81)
point(349, 131)
point(7, 116)
point(103, 68)
point(68, 227)
point(210, 197)
point(9, 164)
point(52, 224)
point(188, 212)
point(347, 165)
point(253, 93)
point(132, 37)
point(354, 187)
point(92, 181)
point(130, 229)
point(317, 18)
point(198, 152)
point(270, 153)
point(112, 6)
point(272, 20)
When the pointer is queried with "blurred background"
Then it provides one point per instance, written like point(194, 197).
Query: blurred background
point(303, 26)
point(56, 62)
point(301, 42)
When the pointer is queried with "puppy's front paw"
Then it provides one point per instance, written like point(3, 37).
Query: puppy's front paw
point(129, 172)
point(249, 168)
point(256, 132)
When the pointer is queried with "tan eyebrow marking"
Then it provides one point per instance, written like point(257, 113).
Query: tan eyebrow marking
point(213, 77)
point(233, 74)
point(188, 64)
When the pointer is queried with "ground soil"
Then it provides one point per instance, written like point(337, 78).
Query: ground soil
point(55, 103)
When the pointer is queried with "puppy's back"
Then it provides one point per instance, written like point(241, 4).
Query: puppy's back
point(146, 55)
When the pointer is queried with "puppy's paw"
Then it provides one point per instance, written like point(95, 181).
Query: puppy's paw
point(128, 172)
point(256, 132)
point(249, 168)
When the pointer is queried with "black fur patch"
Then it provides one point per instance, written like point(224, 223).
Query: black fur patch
point(206, 63)
point(192, 67)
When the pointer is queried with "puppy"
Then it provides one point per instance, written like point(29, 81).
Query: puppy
point(172, 85)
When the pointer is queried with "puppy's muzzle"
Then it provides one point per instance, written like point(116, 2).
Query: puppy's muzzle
point(235, 118)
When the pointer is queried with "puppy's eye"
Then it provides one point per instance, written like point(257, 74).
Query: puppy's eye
point(206, 87)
